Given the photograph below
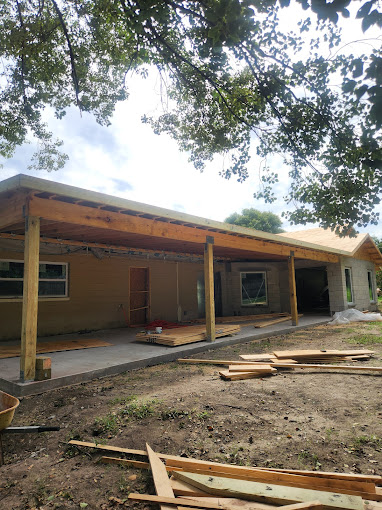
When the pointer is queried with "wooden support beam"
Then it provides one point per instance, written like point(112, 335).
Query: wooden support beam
point(55, 210)
point(209, 290)
point(30, 299)
point(292, 289)
point(12, 210)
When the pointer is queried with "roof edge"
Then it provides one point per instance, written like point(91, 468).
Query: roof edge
point(23, 181)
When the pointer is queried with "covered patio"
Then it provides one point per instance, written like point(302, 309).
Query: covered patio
point(40, 214)
point(125, 353)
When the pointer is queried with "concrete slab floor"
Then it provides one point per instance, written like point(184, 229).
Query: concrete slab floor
point(77, 366)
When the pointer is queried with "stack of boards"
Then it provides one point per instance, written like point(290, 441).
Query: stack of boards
point(260, 365)
point(197, 484)
point(310, 356)
point(185, 335)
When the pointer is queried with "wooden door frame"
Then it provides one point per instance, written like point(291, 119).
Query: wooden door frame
point(148, 314)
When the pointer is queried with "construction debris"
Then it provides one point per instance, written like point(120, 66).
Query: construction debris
point(260, 365)
point(215, 486)
point(185, 335)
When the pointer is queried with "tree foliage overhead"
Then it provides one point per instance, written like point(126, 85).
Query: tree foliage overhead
point(259, 220)
point(232, 76)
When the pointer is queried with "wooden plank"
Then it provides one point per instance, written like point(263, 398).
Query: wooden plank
point(278, 478)
point(129, 451)
point(81, 215)
point(30, 299)
point(11, 209)
point(292, 289)
point(326, 367)
point(11, 351)
point(296, 354)
point(275, 321)
point(161, 480)
point(211, 361)
point(185, 489)
point(174, 501)
point(254, 367)
point(229, 375)
point(241, 504)
point(233, 503)
point(269, 493)
point(125, 462)
point(209, 291)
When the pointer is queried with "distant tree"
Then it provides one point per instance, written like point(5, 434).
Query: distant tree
point(252, 218)
point(378, 242)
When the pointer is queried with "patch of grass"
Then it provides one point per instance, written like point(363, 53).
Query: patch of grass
point(361, 441)
point(306, 457)
point(366, 339)
point(203, 415)
point(172, 414)
point(108, 423)
point(122, 400)
point(140, 410)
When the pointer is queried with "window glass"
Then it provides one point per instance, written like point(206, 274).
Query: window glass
point(253, 288)
point(53, 281)
point(349, 286)
point(371, 287)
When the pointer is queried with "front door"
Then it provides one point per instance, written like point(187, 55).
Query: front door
point(139, 296)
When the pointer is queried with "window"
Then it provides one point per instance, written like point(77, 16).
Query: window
point(349, 285)
point(253, 288)
point(53, 279)
point(371, 286)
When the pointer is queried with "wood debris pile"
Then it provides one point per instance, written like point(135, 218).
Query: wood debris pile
point(214, 486)
point(186, 335)
point(259, 365)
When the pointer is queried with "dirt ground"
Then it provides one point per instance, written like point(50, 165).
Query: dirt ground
point(320, 420)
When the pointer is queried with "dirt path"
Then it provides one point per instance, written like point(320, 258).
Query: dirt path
point(307, 420)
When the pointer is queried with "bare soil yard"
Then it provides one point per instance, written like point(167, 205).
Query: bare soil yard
point(301, 420)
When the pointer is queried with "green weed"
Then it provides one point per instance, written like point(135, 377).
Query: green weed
point(108, 423)
point(122, 400)
point(172, 414)
point(140, 410)
point(366, 339)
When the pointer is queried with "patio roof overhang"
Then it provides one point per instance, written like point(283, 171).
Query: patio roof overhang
point(72, 215)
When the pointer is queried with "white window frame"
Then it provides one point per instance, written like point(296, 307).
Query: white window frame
point(264, 273)
point(371, 286)
point(351, 286)
point(42, 297)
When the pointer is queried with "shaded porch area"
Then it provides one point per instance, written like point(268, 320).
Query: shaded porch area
point(125, 353)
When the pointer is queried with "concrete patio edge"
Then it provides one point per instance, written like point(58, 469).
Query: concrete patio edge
point(19, 389)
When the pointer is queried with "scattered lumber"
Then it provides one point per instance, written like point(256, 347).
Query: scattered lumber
point(197, 484)
point(230, 375)
point(185, 335)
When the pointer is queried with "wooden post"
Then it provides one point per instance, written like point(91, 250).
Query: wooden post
point(30, 299)
point(209, 288)
point(292, 289)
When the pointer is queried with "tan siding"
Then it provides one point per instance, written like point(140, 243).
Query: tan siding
point(97, 288)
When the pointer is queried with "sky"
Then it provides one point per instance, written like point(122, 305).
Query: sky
point(128, 160)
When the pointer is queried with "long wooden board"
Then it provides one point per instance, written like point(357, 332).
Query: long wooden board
point(269, 493)
point(160, 477)
point(322, 354)
point(275, 321)
point(358, 488)
point(12, 351)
